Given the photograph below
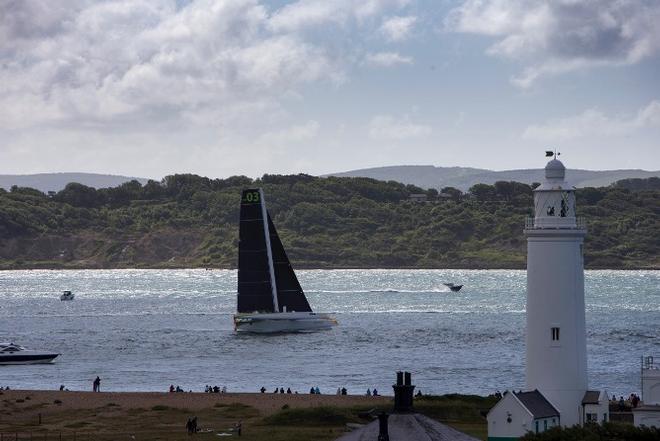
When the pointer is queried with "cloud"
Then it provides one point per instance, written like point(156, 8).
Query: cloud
point(389, 127)
point(295, 133)
point(594, 123)
point(135, 63)
point(398, 28)
point(387, 59)
point(559, 36)
point(309, 14)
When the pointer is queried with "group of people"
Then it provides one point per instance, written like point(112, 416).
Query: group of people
point(314, 390)
point(277, 390)
point(622, 404)
point(215, 389)
point(191, 425)
point(370, 393)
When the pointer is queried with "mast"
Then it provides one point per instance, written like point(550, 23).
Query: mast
point(269, 251)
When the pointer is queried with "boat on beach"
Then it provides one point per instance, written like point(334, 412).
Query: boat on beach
point(11, 353)
point(270, 298)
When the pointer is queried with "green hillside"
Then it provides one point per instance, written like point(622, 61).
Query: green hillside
point(188, 221)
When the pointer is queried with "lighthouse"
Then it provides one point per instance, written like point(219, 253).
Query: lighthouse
point(556, 343)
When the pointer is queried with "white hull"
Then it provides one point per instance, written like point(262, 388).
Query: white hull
point(41, 361)
point(282, 322)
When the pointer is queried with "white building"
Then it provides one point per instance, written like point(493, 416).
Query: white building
point(556, 343)
point(595, 407)
point(520, 412)
point(648, 412)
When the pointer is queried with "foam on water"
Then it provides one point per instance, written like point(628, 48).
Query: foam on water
point(147, 329)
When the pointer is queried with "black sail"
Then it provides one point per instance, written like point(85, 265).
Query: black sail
point(254, 281)
point(289, 291)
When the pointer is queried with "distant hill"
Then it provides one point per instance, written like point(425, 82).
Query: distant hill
point(192, 221)
point(428, 176)
point(57, 181)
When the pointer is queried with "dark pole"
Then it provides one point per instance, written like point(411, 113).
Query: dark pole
point(383, 434)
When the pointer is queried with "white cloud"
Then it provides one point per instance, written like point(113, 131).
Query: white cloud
point(389, 127)
point(295, 133)
point(398, 28)
point(594, 123)
point(140, 62)
point(309, 14)
point(387, 59)
point(558, 36)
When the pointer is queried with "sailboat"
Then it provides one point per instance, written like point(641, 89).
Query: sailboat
point(270, 298)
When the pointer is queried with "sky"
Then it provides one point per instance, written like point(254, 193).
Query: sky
point(218, 88)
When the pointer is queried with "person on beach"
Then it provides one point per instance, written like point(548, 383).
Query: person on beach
point(338, 391)
point(263, 390)
point(344, 391)
point(311, 391)
point(368, 392)
point(288, 390)
point(317, 391)
point(281, 390)
point(194, 424)
point(96, 385)
point(375, 392)
point(189, 426)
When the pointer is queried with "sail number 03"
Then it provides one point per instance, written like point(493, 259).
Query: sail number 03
point(252, 196)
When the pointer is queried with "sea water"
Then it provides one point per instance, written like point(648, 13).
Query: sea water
point(142, 330)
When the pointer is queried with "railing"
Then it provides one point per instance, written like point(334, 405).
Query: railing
point(580, 224)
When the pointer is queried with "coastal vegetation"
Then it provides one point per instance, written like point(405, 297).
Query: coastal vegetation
point(597, 432)
point(86, 416)
point(191, 221)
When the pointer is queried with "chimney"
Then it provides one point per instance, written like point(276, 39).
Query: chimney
point(403, 393)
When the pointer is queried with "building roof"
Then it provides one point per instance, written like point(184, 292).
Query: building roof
point(591, 397)
point(537, 404)
point(408, 427)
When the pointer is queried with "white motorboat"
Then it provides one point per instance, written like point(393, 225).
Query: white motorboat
point(270, 298)
point(11, 353)
point(67, 295)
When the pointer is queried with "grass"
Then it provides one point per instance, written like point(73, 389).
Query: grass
point(111, 422)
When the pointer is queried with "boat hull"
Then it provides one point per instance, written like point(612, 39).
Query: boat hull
point(27, 359)
point(282, 322)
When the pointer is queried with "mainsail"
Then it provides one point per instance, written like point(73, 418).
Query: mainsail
point(255, 287)
point(289, 291)
point(266, 280)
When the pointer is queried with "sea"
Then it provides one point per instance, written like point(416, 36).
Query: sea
point(144, 330)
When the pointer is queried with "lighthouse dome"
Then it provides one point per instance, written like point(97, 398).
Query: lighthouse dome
point(555, 170)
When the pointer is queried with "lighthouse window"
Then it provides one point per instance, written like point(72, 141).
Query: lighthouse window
point(555, 334)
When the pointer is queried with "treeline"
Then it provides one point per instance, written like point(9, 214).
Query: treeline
point(188, 220)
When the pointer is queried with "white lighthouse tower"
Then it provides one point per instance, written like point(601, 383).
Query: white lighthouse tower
point(556, 362)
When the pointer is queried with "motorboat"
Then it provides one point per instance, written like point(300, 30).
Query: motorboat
point(11, 353)
point(67, 295)
point(454, 288)
point(270, 298)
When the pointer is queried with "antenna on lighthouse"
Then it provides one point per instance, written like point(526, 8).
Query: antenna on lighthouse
point(554, 153)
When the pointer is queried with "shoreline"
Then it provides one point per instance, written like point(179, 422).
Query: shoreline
point(302, 268)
